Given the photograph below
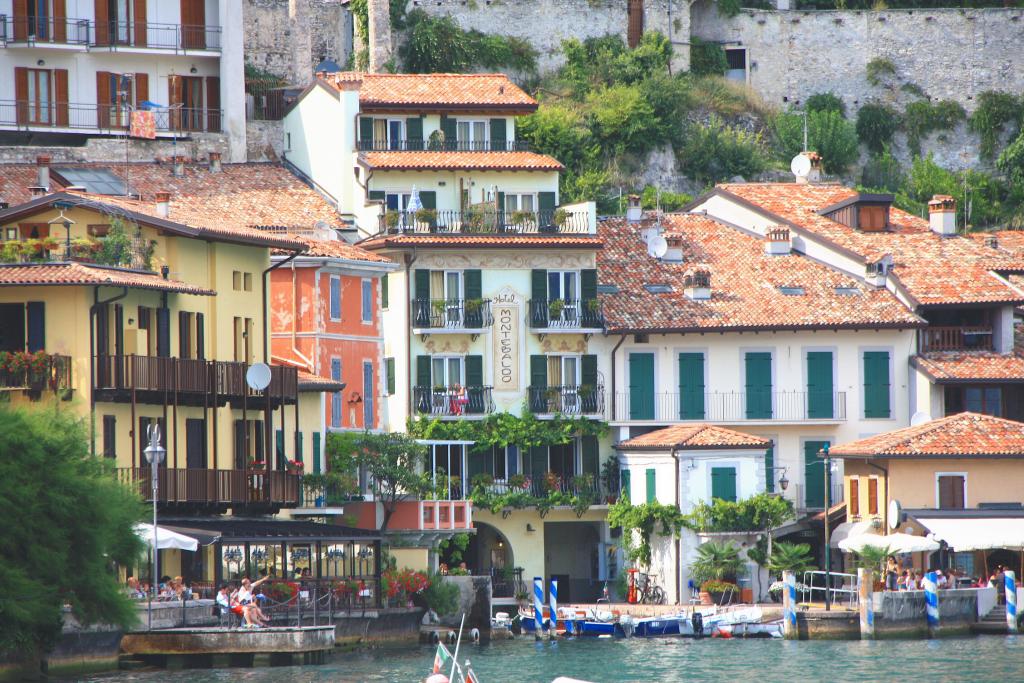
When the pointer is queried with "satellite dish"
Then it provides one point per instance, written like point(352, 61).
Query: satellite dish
point(919, 418)
point(258, 376)
point(895, 512)
point(800, 166)
point(657, 246)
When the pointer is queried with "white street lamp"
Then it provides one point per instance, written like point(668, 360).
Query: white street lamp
point(155, 454)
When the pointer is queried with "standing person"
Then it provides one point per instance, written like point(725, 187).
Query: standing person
point(891, 574)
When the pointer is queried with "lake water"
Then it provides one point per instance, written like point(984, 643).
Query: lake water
point(978, 660)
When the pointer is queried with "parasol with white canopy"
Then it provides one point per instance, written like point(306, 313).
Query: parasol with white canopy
point(166, 539)
point(897, 544)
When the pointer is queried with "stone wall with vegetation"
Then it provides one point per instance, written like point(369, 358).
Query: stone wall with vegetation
point(287, 38)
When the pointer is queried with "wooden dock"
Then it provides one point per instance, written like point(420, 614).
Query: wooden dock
point(206, 646)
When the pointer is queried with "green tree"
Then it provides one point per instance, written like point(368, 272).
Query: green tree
point(825, 101)
point(794, 557)
point(876, 124)
point(1011, 160)
point(828, 134)
point(623, 119)
point(644, 520)
point(561, 131)
point(66, 522)
point(707, 59)
point(718, 151)
point(716, 560)
point(393, 461)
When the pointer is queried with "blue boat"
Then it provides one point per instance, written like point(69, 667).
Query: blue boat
point(569, 627)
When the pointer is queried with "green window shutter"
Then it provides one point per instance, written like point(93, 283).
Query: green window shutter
point(498, 135)
point(472, 284)
point(298, 447)
point(769, 473)
point(641, 386)
point(538, 383)
point(423, 371)
point(389, 374)
point(691, 386)
point(280, 449)
point(473, 305)
point(589, 397)
point(316, 453)
point(421, 283)
point(377, 195)
point(414, 133)
point(624, 481)
point(759, 385)
point(545, 208)
point(384, 294)
point(723, 483)
point(36, 312)
point(876, 384)
point(591, 455)
point(366, 132)
point(819, 384)
point(814, 474)
point(652, 491)
point(449, 127)
point(588, 284)
point(538, 464)
point(539, 297)
point(476, 463)
point(429, 199)
point(474, 371)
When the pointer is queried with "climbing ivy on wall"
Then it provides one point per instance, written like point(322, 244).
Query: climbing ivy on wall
point(996, 110)
point(504, 429)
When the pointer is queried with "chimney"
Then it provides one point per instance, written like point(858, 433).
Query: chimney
point(776, 241)
point(942, 214)
point(697, 283)
point(43, 171)
point(179, 167)
point(634, 212)
point(37, 191)
point(815, 175)
point(991, 241)
point(214, 162)
point(674, 254)
point(876, 273)
point(163, 204)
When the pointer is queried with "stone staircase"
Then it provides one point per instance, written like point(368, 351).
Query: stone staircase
point(993, 622)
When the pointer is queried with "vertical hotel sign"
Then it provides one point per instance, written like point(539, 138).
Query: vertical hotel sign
point(506, 342)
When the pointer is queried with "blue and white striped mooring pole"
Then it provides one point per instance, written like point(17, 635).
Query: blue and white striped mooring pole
point(789, 605)
point(865, 598)
point(553, 603)
point(931, 600)
point(1010, 582)
point(538, 606)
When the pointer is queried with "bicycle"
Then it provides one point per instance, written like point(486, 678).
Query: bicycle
point(648, 591)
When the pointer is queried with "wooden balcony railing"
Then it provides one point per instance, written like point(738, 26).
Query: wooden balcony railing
point(34, 373)
point(200, 486)
point(958, 338)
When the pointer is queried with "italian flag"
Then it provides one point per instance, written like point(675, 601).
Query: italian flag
point(471, 677)
point(441, 658)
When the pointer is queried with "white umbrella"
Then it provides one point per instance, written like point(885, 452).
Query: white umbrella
point(415, 204)
point(166, 539)
point(897, 543)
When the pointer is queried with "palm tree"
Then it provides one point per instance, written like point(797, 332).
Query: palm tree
point(716, 560)
point(794, 557)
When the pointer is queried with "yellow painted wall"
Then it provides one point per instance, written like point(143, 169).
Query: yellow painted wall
point(411, 558)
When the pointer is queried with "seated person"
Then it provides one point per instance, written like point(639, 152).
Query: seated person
point(251, 611)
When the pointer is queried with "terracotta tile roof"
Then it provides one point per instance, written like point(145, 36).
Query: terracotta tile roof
point(235, 202)
point(472, 161)
point(981, 366)
point(693, 437)
point(745, 284)
point(464, 91)
point(567, 241)
point(331, 248)
point(310, 382)
point(81, 274)
point(932, 269)
point(961, 435)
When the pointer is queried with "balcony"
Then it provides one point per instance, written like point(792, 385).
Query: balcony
point(566, 315)
point(35, 372)
point(567, 400)
point(552, 489)
point(187, 381)
point(732, 407)
point(200, 487)
point(480, 222)
point(958, 338)
point(465, 316)
point(71, 117)
point(414, 145)
point(448, 402)
point(114, 35)
point(812, 498)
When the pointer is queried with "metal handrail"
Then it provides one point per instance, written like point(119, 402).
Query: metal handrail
point(732, 406)
point(473, 400)
point(477, 221)
point(452, 313)
point(851, 593)
point(574, 399)
point(420, 145)
point(25, 114)
point(562, 313)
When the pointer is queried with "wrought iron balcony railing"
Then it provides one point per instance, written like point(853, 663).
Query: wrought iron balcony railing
point(474, 221)
point(458, 314)
point(38, 31)
point(570, 314)
point(46, 113)
point(452, 401)
point(568, 400)
point(114, 34)
point(732, 406)
point(420, 145)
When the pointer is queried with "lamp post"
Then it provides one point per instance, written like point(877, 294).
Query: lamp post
point(828, 549)
point(155, 454)
point(783, 484)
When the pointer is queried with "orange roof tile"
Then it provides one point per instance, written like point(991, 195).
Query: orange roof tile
point(931, 268)
point(310, 382)
point(333, 249)
point(950, 366)
point(961, 435)
point(693, 437)
point(464, 91)
point(82, 274)
point(478, 161)
point(745, 284)
point(566, 241)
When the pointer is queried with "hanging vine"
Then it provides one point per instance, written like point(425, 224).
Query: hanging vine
point(643, 519)
point(506, 429)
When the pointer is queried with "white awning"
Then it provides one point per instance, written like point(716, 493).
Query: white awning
point(964, 534)
point(845, 530)
point(897, 544)
point(165, 538)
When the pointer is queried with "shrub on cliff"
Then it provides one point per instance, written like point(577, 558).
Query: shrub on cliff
point(828, 134)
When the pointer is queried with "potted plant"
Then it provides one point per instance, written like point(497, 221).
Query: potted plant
point(314, 484)
point(552, 481)
point(716, 561)
point(12, 252)
point(436, 142)
point(472, 220)
point(555, 308)
point(391, 220)
point(294, 466)
point(427, 217)
point(84, 249)
point(720, 592)
point(611, 478)
point(559, 217)
point(523, 219)
point(583, 482)
point(517, 481)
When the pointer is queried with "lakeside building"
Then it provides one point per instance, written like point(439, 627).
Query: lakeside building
point(956, 479)
point(70, 71)
point(139, 295)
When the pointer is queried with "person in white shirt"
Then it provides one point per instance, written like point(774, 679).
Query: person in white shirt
point(251, 612)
